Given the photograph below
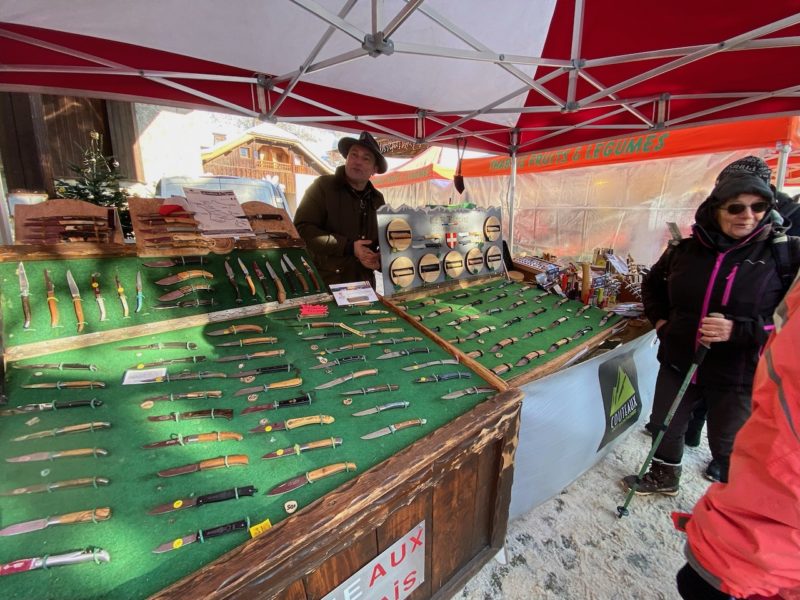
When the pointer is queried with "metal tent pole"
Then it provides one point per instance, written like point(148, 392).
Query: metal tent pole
point(512, 188)
point(5, 217)
point(783, 162)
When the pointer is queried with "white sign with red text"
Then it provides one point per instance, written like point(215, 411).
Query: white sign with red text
point(393, 575)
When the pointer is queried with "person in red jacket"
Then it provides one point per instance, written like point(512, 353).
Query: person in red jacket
point(743, 539)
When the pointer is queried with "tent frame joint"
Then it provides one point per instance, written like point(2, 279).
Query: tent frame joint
point(376, 45)
point(265, 81)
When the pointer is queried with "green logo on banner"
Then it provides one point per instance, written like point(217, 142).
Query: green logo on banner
point(623, 399)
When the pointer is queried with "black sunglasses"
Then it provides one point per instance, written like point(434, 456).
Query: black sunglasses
point(756, 207)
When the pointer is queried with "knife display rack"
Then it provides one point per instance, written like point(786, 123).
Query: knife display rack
point(65, 221)
point(431, 247)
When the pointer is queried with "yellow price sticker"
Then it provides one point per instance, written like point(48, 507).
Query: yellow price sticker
point(260, 528)
point(177, 504)
point(177, 543)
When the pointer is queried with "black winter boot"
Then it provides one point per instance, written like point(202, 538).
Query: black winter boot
point(662, 478)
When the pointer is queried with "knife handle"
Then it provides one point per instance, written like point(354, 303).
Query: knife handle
point(223, 529)
point(26, 311)
point(281, 291)
point(258, 340)
point(231, 460)
point(77, 452)
point(302, 281)
point(219, 436)
point(313, 277)
point(94, 403)
point(51, 305)
point(363, 373)
point(83, 427)
point(326, 443)
point(312, 420)
point(226, 495)
point(80, 482)
point(83, 516)
point(192, 274)
point(320, 473)
point(79, 313)
point(295, 382)
point(409, 423)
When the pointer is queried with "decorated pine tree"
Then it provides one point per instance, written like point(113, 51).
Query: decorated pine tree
point(97, 181)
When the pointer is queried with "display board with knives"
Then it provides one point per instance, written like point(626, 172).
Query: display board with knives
point(431, 247)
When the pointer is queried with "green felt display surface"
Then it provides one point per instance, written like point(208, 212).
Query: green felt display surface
point(126, 268)
point(131, 534)
point(512, 292)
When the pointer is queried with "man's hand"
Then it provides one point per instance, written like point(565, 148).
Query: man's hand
point(368, 258)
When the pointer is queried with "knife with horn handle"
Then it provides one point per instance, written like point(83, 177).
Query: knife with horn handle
point(76, 300)
point(311, 274)
point(517, 304)
point(247, 342)
point(232, 460)
point(211, 413)
point(389, 387)
point(264, 354)
point(280, 290)
point(184, 276)
point(381, 408)
point(284, 368)
point(24, 292)
point(501, 368)
point(407, 352)
point(177, 439)
point(558, 322)
point(529, 357)
point(561, 302)
point(533, 332)
point(179, 261)
point(83, 516)
point(499, 296)
point(475, 354)
point(510, 322)
point(311, 477)
point(98, 295)
point(605, 318)
point(46, 406)
point(123, 299)
point(65, 385)
point(480, 332)
point(192, 501)
point(298, 449)
point(288, 279)
point(234, 329)
point(203, 535)
point(247, 277)
point(581, 332)
point(57, 485)
point(42, 456)
point(536, 312)
point(360, 345)
point(485, 289)
point(185, 291)
point(432, 363)
point(262, 279)
point(348, 377)
point(503, 343)
point(81, 428)
point(57, 366)
point(294, 423)
point(492, 311)
point(582, 310)
point(394, 428)
point(74, 557)
point(297, 274)
point(470, 391)
point(289, 403)
point(463, 319)
point(232, 278)
point(278, 385)
point(340, 361)
point(374, 321)
point(439, 311)
point(443, 377)
point(558, 343)
point(539, 297)
point(51, 299)
point(139, 292)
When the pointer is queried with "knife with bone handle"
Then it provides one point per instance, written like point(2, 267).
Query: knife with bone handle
point(66, 484)
point(57, 454)
point(232, 460)
point(297, 449)
point(185, 276)
point(84, 516)
point(294, 423)
point(345, 378)
point(80, 428)
point(278, 385)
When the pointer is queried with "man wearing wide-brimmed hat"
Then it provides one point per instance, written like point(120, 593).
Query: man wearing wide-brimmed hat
point(337, 219)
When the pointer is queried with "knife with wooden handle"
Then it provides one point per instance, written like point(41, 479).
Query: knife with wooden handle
point(83, 516)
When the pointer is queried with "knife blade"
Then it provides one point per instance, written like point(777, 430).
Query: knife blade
point(184, 276)
point(294, 423)
point(81, 428)
point(24, 291)
point(311, 274)
point(348, 377)
point(232, 460)
point(122, 297)
point(58, 485)
point(23, 565)
point(139, 292)
point(298, 449)
point(264, 354)
point(281, 291)
point(470, 391)
point(84, 516)
point(46, 406)
point(203, 535)
point(247, 277)
point(340, 361)
point(289, 403)
point(185, 290)
point(177, 261)
point(288, 279)
point(394, 428)
point(42, 456)
point(263, 280)
point(311, 477)
point(297, 273)
point(381, 408)
point(278, 385)
point(177, 439)
point(192, 501)
point(232, 278)
point(76, 300)
point(51, 299)
point(98, 295)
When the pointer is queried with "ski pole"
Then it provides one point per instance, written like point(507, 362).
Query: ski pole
point(622, 511)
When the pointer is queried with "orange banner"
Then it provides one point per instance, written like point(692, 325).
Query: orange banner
point(761, 133)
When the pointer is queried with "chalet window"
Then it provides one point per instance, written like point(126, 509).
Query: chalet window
point(244, 152)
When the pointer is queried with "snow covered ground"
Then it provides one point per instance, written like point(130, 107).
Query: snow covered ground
point(574, 547)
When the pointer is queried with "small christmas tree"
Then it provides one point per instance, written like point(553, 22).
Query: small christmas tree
point(97, 181)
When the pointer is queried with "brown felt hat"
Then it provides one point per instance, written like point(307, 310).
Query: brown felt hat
point(367, 141)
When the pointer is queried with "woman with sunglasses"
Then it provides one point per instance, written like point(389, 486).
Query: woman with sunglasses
point(727, 268)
